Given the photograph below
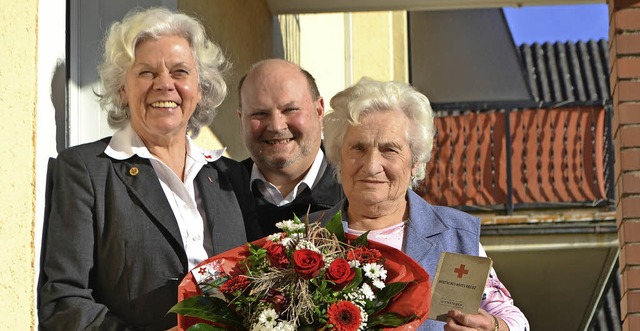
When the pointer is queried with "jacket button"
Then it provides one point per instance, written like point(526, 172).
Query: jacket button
point(133, 171)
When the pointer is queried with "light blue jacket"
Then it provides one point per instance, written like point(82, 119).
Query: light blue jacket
point(431, 231)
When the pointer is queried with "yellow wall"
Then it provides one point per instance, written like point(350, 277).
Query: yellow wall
point(243, 28)
point(323, 51)
point(340, 48)
point(18, 72)
point(379, 45)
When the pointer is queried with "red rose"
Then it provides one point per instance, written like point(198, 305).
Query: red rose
point(277, 255)
point(341, 273)
point(364, 255)
point(307, 263)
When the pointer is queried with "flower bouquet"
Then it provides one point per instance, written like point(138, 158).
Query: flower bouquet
point(307, 277)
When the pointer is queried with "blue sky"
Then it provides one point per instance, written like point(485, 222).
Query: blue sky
point(558, 23)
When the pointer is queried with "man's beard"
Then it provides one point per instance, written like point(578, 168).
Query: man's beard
point(281, 162)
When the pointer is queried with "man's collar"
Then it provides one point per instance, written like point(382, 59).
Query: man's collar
point(309, 179)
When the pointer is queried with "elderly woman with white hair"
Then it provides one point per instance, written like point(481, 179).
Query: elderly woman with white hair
point(379, 136)
point(133, 213)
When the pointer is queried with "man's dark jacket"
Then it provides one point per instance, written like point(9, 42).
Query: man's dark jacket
point(325, 194)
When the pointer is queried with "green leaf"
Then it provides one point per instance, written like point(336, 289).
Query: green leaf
point(362, 240)
point(205, 327)
point(389, 320)
point(357, 279)
point(208, 308)
point(383, 297)
point(256, 255)
point(218, 282)
point(255, 249)
point(335, 226)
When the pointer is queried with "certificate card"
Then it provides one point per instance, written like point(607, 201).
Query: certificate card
point(458, 284)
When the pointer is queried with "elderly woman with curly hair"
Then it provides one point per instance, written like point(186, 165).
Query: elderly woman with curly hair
point(379, 137)
point(133, 213)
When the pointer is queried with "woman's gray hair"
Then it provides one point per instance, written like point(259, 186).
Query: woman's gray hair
point(349, 106)
point(153, 23)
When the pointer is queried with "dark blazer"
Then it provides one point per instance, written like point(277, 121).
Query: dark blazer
point(430, 231)
point(114, 255)
point(325, 194)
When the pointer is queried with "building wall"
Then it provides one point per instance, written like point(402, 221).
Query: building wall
point(244, 30)
point(624, 44)
point(379, 45)
point(340, 48)
point(18, 72)
point(323, 44)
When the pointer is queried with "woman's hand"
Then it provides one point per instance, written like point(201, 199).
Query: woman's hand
point(482, 321)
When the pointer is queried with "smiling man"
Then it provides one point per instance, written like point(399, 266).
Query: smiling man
point(281, 113)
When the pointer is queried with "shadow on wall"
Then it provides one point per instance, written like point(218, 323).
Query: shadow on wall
point(59, 101)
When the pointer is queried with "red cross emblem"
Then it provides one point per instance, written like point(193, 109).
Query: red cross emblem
point(461, 271)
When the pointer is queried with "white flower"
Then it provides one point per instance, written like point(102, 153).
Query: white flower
point(327, 259)
point(290, 226)
point(354, 264)
point(378, 283)
point(365, 318)
point(375, 271)
point(355, 296)
point(297, 227)
point(268, 317)
point(275, 237)
point(296, 235)
point(285, 326)
point(288, 242)
point(284, 225)
point(367, 292)
point(305, 244)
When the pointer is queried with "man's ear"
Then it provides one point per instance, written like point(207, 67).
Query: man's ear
point(320, 107)
point(239, 112)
